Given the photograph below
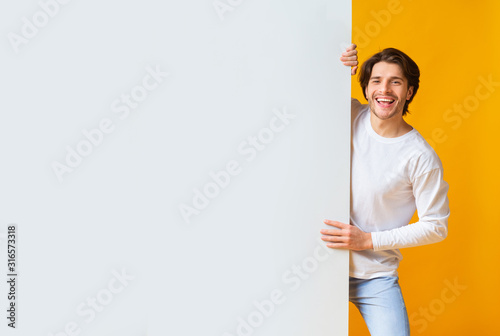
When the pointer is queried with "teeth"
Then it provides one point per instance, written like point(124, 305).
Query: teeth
point(385, 100)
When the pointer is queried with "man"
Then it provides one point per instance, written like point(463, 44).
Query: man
point(394, 172)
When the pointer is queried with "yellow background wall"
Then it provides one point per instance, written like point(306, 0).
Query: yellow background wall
point(450, 288)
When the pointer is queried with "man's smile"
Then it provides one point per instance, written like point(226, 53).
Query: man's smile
point(385, 101)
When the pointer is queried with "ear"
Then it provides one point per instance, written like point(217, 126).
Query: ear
point(409, 93)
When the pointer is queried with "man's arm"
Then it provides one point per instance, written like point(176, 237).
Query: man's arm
point(431, 198)
point(430, 191)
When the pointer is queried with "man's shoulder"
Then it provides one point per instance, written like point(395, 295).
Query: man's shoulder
point(423, 158)
point(356, 104)
point(357, 109)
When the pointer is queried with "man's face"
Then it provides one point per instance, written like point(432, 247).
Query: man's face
point(387, 90)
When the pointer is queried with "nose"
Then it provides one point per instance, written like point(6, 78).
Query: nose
point(385, 86)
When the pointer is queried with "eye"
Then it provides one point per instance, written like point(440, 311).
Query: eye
point(396, 82)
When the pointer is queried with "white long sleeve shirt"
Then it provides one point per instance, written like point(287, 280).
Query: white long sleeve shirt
point(390, 179)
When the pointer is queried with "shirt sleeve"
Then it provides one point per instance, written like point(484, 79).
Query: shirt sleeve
point(430, 192)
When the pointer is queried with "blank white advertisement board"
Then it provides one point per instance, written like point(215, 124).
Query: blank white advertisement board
point(167, 167)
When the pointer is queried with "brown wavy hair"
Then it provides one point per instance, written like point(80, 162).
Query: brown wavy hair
point(395, 56)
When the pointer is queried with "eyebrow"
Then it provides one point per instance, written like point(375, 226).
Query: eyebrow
point(394, 77)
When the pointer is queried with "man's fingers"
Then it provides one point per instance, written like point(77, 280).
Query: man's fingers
point(338, 246)
point(334, 232)
point(349, 59)
point(335, 223)
point(351, 47)
point(334, 239)
point(350, 63)
point(350, 53)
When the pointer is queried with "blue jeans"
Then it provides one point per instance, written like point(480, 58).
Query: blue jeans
point(380, 302)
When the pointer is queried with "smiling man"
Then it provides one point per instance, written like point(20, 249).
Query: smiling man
point(394, 172)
